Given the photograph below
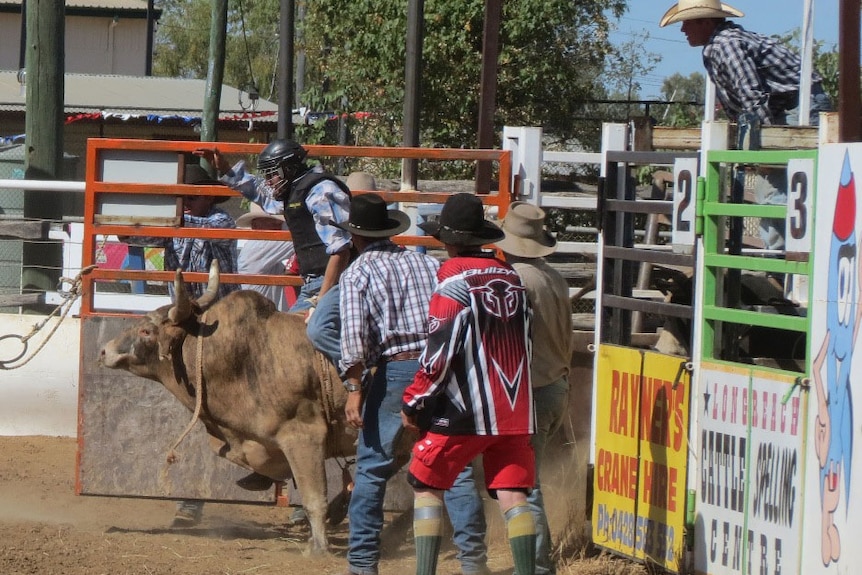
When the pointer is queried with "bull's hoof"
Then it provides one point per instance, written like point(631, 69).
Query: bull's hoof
point(255, 482)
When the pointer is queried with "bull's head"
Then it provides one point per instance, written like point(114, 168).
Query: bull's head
point(150, 344)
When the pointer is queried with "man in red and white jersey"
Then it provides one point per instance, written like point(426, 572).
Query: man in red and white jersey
point(472, 394)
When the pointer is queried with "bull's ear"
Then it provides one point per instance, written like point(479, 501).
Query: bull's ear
point(211, 293)
point(182, 308)
point(170, 338)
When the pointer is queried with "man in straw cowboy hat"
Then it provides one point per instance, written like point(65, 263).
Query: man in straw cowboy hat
point(757, 82)
point(472, 393)
point(265, 257)
point(384, 297)
point(754, 75)
point(526, 244)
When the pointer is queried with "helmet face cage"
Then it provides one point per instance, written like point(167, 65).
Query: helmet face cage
point(281, 158)
point(283, 171)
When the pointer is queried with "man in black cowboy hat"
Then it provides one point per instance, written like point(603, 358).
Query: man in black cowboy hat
point(474, 379)
point(384, 298)
point(526, 244)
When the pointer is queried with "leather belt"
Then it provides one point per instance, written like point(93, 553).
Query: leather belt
point(404, 356)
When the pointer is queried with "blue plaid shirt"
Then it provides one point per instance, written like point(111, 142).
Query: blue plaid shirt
point(751, 72)
point(196, 254)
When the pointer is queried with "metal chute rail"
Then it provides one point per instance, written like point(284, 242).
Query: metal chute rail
point(137, 173)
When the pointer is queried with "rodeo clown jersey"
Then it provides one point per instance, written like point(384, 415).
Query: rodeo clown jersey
point(474, 375)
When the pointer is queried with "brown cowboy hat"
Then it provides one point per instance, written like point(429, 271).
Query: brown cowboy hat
point(694, 9)
point(462, 223)
point(370, 218)
point(526, 237)
point(195, 175)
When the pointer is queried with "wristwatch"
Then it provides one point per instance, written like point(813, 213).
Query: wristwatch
point(351, 387)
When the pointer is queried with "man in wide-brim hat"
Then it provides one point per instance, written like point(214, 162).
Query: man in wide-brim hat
point(526, 244)
point(384, 297)
point(756, 77)
point(757, 81)
point(472, 393)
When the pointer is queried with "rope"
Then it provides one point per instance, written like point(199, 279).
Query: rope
point(328, 400)
point(326, 386)
point(173, 456)
point(69, 297)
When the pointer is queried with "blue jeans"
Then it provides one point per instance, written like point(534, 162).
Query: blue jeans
point(551, 402)
point(309, 289)
point(770, 188)
point(324, 326)
point(820, 102)
point(467, 514)
point(375, 465)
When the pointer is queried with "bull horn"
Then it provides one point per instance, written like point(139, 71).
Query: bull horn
point(211, 294)
point(182, 308)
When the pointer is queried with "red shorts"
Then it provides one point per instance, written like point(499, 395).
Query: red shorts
point(508, 460)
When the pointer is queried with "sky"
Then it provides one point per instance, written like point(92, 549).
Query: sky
point(763, 16)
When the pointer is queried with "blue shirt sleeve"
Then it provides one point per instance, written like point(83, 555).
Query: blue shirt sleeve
point(254, 188)
point(327, 203)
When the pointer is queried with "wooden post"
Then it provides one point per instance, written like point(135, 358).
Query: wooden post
point(286, 31)
point(848, 71)
point(45, 60)
point(412, 95)
point(488, 91)
point(215, 73)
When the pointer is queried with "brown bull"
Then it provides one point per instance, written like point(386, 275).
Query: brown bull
point(268, 402)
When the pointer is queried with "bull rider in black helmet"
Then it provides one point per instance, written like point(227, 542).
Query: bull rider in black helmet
point(310, 200)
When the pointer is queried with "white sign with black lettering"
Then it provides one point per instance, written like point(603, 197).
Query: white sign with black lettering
point(723, 446)
point(684, 201)
point(774, 517)
point(800, 201)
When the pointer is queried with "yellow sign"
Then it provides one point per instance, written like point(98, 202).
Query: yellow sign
point(642, 405)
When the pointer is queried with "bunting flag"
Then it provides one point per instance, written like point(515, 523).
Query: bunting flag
point(193, 120)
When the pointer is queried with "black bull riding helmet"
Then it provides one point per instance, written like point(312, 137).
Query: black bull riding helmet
point(282, 158)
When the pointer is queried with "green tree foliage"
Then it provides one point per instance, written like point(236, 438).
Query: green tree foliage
point(687, 89)
point(552, 53)
point(182, 42)
point(825, 60)
point(622, 68)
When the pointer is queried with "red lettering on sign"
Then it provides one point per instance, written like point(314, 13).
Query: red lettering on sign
point(616, 473)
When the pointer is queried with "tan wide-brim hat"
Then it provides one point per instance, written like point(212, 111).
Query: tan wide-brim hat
point(254, 212)
point(361, 181)
point(694, 9)
point(526, 235)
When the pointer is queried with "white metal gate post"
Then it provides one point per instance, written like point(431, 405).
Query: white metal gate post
point(525, 143)
point(614, 139)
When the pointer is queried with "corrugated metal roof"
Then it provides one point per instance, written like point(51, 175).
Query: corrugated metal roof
point(107, 4)
point(86, 93)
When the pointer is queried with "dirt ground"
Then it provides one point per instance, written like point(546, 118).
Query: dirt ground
point(46, 529)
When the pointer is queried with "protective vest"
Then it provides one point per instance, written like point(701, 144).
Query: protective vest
point(310, 249)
